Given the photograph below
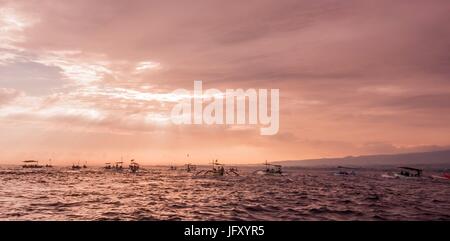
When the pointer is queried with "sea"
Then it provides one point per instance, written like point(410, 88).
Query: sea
point(157, 193)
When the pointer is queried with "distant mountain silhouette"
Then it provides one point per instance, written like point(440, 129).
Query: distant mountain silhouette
point(432, 158)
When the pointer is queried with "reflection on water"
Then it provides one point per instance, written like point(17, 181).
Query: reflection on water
point(159, 194)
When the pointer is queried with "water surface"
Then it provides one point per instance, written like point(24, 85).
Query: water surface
point(161, 194)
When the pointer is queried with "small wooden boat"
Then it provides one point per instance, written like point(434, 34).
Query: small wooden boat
point(190, 167)
point(217, 170)
point(31, 164)
point(345, 171)
point(118, 166)
point(107, 166)
point(405, 173)
point(76, 167)
point(134, 166)
point(270, 169)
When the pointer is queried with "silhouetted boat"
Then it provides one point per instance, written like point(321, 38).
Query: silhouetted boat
point(345, 171)
point(217, 170)
point(116, 167)
point(134, 166)
point(190, 167)
point(405, 172)
point(270, 169)
point(409, 172)
point(108, 165)
point(49, 164)
point(31, 164)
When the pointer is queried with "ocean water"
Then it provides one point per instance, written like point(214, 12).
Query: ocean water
point(161, 194)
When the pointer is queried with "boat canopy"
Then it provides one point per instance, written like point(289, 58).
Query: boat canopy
point(270, 164)
point(342, 167)
point(411, 169)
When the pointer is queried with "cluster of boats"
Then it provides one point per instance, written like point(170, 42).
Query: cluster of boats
point(118, 166)
point(218, 169)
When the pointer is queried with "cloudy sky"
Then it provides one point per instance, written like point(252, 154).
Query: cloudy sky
point(89, 80)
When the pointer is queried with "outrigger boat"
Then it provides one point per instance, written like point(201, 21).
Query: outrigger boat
point(31, 164)
point(409, 172)
point(406, 172)
point(270, 169)
point(118, 166)
point(134, 166)
point(345, 171)
point(108, 166)
point(190, 167)
point(49, 164)
point(217, 170)
point(76, 167)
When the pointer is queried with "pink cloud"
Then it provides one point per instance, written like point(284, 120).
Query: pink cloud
point(350, 73)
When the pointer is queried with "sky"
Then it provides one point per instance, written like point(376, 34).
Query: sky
point(90, 81)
